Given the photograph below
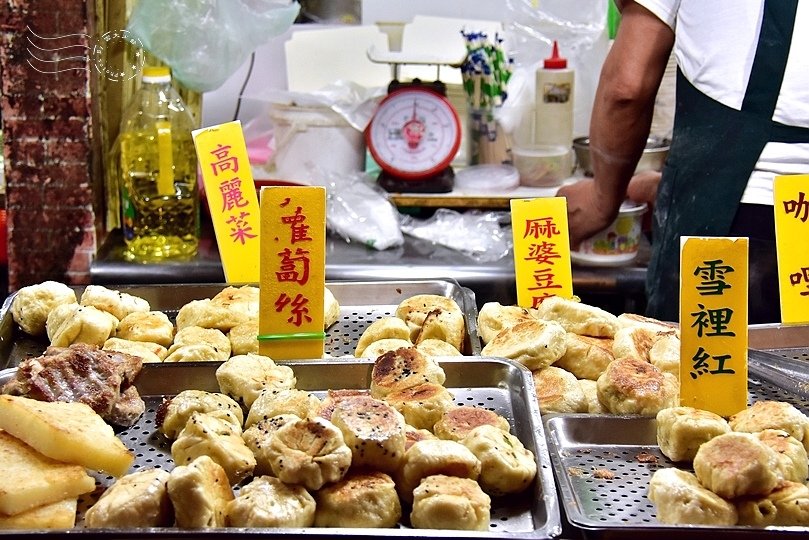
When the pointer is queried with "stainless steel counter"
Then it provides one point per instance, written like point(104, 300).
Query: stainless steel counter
point(616, 289)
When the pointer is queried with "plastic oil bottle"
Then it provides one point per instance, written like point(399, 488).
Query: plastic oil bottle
point(158, 173)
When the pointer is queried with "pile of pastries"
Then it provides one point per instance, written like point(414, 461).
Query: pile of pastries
point(210, 329)
point(750, 469)
point(585, 359)
point(353, 458)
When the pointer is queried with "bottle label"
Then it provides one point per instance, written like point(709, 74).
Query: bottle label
point(556, 92)
point(128, 215)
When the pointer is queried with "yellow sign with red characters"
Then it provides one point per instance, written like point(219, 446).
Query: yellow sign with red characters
point(232, 200)
point(293, 272)
point(713, 324)
point(541, 249)
point(791, 207)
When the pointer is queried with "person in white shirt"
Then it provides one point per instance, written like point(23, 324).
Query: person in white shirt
point(741, 118)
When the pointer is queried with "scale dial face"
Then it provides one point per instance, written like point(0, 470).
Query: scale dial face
point(414, 134)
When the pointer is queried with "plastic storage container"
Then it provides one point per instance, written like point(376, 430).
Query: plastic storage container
point(158, 173)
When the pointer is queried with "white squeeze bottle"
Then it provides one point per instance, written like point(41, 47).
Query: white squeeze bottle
point(553, 121)
point(158, 167)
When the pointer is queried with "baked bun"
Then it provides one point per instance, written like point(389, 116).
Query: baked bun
point(207, 314)
point(139, 499)
point(665, 353)
point(72, 323)
point(787, 505)
point(448, 502)
point(534, 344)
point(680, 499)
point(433, 316)
point(436, 347)
point(193, 335)
point(272, 402)
point(309, 451)
point(196, 352)
point(331, 308)
point(578, 317)
point(506, 465)
point(403, 368)
point(384, 328)
point(33, 303)
point(151, 326)
point(627, 320)
point(632, 386)
point(586, 357)
point(244, 300)
point(422, 405)
point(457, 422)
point(331, 398)
point(269, 502)
point(175, 412)
point(148, 352)
point(767, 414)
point(244, 377)
point(199, 493)
point(414, 435)
point(590, 390)
point(363, 499)
point(682, 430)
point(257, 438)
point(244, 338)
point(494, 317)
point(791, 453)
point(558, 391)
point(435, 456)
point(374, 431)
point(737, 465)
point(208, 435)
point(378, 348)
point(633, 342)
point(118, 304)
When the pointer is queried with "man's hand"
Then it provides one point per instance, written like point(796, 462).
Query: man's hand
point(587, 213)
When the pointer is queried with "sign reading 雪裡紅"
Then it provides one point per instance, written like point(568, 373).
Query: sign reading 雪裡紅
point(541, 249)
point(293, 272)
point(791, 208)
point(232, 200)
point(713, 324)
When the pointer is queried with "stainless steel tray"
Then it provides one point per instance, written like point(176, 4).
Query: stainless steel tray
point(361, 303)
point(497, 384)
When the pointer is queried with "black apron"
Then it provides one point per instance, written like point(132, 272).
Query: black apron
point(713, 153)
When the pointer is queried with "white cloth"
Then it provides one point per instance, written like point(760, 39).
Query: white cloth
point(715, 45)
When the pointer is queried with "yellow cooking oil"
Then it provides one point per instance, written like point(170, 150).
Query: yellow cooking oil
point(158, 173)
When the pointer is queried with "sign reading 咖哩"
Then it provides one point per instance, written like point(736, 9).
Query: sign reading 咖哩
point(541, 249)
point(713, 324)
point(791, 207)
point(293, 272)
point(232, 200)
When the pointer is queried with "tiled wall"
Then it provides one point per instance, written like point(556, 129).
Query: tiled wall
point(47, 142)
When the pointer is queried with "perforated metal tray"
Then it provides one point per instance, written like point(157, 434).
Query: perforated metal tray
point(361, 303)
point(603, 463)
point(496, 384)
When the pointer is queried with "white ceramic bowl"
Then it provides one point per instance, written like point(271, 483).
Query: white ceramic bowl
point(617, 244)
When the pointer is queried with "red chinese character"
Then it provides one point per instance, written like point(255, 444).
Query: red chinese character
point(241, 229)
point(231, 191)
point(225, 163)
point(299, 309)
point(542, 253)
point(289, 264)
point(544, 227)
point(299, 230)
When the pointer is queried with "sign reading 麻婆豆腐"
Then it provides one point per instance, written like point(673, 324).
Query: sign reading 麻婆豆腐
point(541, 249)
point(791, 209)
point(713, 324)
point(293, 272)
point(232, 200)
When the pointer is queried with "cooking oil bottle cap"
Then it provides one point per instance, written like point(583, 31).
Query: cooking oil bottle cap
point(156, 74)
point(555, 61)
